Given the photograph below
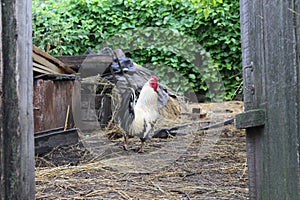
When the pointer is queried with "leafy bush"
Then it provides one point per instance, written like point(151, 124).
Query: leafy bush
point(198, 51)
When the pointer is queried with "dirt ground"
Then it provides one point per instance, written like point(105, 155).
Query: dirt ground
point(207, 164)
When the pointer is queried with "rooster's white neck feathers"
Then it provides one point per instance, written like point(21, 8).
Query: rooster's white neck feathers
point(147, 95)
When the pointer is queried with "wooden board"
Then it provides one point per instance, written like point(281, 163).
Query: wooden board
point(1, 73)
point(54, 61)
point(44, 62)
point(35, 69)
point(45, 141)
point(40, 68)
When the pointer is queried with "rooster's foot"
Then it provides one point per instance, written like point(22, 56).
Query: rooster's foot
point(125, 147)
point(141, 150)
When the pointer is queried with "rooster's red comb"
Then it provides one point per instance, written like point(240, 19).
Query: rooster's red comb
point(155, 78)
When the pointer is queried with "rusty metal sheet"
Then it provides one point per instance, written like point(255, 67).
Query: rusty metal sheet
point(51, 101)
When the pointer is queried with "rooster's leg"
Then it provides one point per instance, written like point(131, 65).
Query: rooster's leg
point(141, 149)
point(125, 143)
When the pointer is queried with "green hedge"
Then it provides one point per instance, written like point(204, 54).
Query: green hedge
point(165, 36)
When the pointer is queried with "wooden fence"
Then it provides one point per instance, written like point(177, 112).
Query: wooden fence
point(270, 43)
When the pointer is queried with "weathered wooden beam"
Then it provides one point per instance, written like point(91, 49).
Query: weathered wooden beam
point(42, 69)
point(17, 140)
point(49, 139)
point(165, 132)
point(39, 70)
point(44, 62)
point(251, 118)
point(53, 60)
point(1, 139)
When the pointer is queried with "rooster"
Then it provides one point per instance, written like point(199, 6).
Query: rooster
point(143, 113)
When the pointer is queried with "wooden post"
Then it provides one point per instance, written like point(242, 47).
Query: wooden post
point(1, 130)
point(271, 68)
point(16, 133)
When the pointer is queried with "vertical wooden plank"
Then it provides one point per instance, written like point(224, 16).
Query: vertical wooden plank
point(1, 140)
point(17, 85)
point(270, 38)
point(297, 61)
point(250, 25)
point(280, 142)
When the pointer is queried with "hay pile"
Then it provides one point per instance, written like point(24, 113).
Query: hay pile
point(218, 174)
point(212, 166)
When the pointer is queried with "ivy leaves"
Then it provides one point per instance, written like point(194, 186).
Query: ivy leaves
point(196, 42)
